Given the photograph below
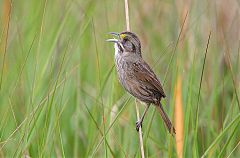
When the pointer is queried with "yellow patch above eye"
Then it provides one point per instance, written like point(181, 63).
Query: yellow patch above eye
point(123, 35)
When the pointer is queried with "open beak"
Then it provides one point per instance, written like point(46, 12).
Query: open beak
point(114, 40)
point(115, 34)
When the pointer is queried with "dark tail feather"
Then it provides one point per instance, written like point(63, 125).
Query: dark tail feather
point(166, 120)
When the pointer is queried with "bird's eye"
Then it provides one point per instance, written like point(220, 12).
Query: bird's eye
point(124, 40)
point(129, 45)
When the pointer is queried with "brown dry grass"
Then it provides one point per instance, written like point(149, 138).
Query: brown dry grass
point(179, 117)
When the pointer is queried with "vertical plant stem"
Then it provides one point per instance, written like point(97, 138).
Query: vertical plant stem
point(127, 15)
point(228, 61)
point(7, 16)
point(140, 130)
point(99, 82)
point(175, 48)
point(178, 110)
point(199, 93)
point(136, 102)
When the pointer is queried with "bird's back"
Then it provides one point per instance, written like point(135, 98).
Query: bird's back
point(138, 79)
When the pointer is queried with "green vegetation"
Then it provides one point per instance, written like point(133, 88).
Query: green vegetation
point(59, 93)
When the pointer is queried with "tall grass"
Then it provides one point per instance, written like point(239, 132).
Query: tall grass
point(60, 96)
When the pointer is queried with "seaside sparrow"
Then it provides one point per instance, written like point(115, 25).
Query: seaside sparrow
point(136, 76)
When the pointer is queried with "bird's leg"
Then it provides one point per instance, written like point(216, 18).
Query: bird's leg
point(139, 122)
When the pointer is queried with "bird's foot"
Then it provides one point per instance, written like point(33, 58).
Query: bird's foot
point(138, 125)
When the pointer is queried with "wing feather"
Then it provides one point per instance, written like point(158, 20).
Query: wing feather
point(145, 74)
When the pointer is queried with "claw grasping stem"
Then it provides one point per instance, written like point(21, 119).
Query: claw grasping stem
point(139, 122)
point(140, 130)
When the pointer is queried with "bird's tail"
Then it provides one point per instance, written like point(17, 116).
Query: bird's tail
point(166, 120)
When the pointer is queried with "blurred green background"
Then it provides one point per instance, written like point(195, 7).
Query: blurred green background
point(59, 93)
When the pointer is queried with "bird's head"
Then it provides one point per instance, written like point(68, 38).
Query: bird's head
point(126, 42)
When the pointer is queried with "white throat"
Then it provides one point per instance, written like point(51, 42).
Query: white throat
point(116, 48)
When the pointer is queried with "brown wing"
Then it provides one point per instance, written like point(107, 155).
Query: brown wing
point(144, 73)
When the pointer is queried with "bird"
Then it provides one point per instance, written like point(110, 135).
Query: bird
point(136, 76)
